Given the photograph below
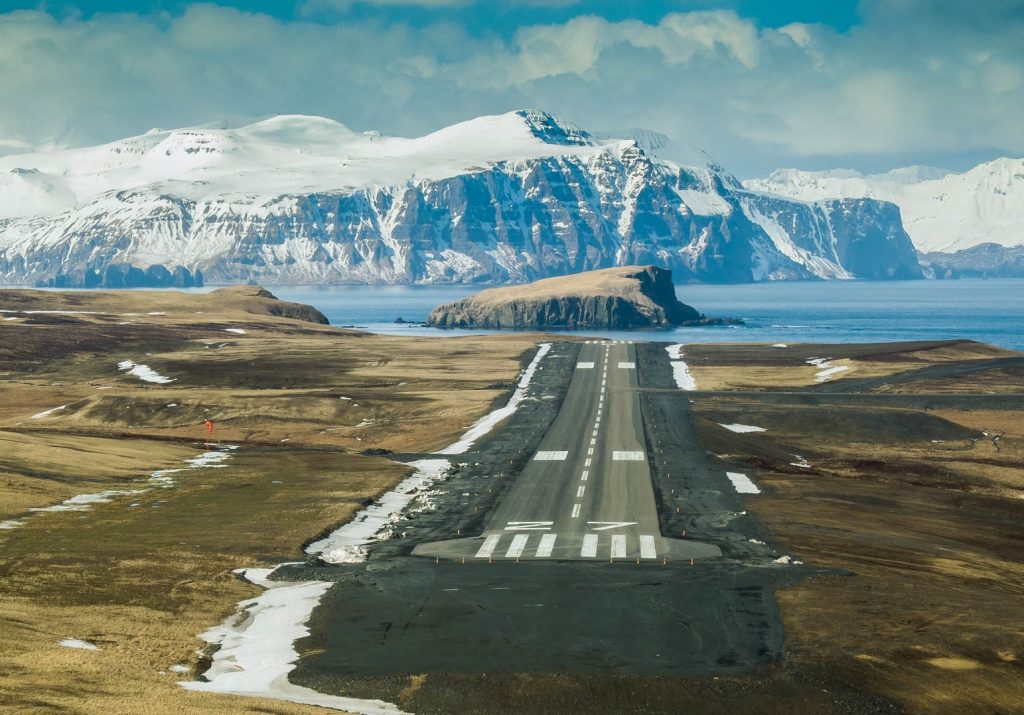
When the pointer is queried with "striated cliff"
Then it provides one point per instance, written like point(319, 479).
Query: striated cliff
point(504, 199)
point(611, 298)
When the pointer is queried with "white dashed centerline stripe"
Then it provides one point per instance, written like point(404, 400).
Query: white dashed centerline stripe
point(590, 450)
point(647, 549)
point(587, 463)
point(584, 476)
point(619, 546)
point(515, 550)
point(589, 549)
point(487, 548)
point(547, 545)
point(575, 511)
point(581, 491)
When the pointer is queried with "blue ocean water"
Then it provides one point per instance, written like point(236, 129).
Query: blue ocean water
point(990, 311)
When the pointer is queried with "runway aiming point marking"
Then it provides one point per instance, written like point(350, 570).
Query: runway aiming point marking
point(627, 456)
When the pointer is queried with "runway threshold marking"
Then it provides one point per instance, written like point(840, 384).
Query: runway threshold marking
point(647, 549)
point(619, 546)
point(550, 456)
point(487, 548)
point(589, 549)
point(547, 545)
point(515, 549)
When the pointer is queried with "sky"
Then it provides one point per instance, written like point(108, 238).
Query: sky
point(759, 84)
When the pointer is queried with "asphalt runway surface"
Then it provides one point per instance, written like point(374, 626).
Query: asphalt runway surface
point(654, 568)
point(586, 493)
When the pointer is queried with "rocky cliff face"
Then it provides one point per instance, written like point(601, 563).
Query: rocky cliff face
point(496, 200)
point(615, 298)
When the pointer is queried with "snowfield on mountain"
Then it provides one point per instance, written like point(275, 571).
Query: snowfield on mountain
point(497, 199)
point(942, 210)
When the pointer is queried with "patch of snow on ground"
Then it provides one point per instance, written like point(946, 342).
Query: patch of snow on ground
point(10, 524)
point(787, 560)
point(143, 372)
point(83, 502)
point(47, 413)
point(81, 645)
point(237, 331)
point(680, 370)
point(742, 483)
point(828, 369)
point(257, 648)
point(486, 423)
point(743, 428)
point(801, 462)
point(780, 345)
point(347, 544)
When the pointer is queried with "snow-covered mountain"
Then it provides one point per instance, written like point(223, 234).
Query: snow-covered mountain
point(512, 197)
point(942, 210)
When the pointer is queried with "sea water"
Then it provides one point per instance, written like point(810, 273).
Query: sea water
point(990, 311)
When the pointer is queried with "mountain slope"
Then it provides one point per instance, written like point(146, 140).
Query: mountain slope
point(942, 210)
point(506, 198)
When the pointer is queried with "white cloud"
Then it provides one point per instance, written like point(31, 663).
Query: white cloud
point(889, 91)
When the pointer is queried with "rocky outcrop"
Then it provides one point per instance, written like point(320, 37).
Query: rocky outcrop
point(611, 298)
point(986, 260)
point(260, 301)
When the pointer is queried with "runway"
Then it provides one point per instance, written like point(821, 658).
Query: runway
point(586, 493)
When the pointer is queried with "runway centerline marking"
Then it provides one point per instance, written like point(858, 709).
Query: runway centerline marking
point(584, 476)
point(619, 546)
point(647, 549)
point(627, 456)
point(589, 549)
point(581, 491)
point(487, 548)
point(529, 525)
point(590, 450)
point(550, 456)
point(547, 545)
point(587, 463)
point(515, 549)
point(575, 511)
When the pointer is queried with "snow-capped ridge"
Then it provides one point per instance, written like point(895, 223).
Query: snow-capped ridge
point(942, 210)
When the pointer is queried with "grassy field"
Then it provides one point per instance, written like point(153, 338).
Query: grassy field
point(924, 509)
point(141, 575)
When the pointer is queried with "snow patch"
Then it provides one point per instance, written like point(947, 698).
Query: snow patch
point(486, 423)
point(81, 645)
point(236, 331)
point(257, 648)
point(741, 482)
point(680, 370)
point(828, 369)
point(743, 428)
point(47, 413)
point(143, 372)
